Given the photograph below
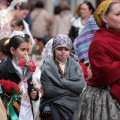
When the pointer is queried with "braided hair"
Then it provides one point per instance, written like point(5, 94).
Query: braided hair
point(59, 68)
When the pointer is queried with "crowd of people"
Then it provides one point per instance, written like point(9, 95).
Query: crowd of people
point(64, 66)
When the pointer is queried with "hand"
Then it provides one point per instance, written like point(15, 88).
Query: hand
point(89, 73)
point(46, 110)
point(33, 94)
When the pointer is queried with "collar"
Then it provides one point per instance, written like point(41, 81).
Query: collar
point(61, 62)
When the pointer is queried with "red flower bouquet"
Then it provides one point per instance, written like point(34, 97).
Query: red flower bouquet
point(9, 87)
point(28, 67)
point(10, 95)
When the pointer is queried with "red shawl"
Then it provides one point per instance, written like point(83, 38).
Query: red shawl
point(104, 56)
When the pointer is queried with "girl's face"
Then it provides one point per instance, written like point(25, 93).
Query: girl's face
point(15, 27)
point(84, 11)
point(62, 54)
point(113, 18)
point(20, 51)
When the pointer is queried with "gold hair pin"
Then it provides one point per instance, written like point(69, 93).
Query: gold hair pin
point(6, 42)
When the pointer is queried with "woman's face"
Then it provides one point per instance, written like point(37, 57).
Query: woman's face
point(62, 54)
point(22, 13)
point(113, 17)
point(21, 51)
point(84, 11)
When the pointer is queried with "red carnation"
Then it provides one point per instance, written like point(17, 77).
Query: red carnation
point(8, 85)
point(31, 62)
point(22, 63)
point(28, 66)
point(3, 82)
point(32, 68)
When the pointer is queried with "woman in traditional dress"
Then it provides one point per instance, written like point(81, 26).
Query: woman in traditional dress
point(100, 100)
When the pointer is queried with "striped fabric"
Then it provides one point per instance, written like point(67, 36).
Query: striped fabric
point(82, 42)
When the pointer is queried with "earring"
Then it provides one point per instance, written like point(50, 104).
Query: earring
point(107, 26)
point(12, 53)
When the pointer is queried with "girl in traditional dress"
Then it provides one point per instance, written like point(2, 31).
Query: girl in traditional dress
point(62, 81)
point(9, 70)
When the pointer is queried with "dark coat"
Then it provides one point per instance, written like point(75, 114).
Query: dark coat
point(8, 72)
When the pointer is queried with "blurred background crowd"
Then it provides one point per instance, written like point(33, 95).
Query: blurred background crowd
point(42, 20)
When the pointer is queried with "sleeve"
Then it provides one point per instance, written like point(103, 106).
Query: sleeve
point(30, 87)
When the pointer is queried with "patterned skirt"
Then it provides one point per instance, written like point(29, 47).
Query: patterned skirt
point(97, 104)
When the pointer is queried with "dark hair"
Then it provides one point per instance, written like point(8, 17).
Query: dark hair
point(27, 37)
point(90, 6)
point(3, 47)
point(23, 6)
point(39, 4)
point(57, 10)
point(19, 22)
point(15, 42)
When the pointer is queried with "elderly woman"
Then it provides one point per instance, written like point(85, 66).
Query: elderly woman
point(101, 98)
